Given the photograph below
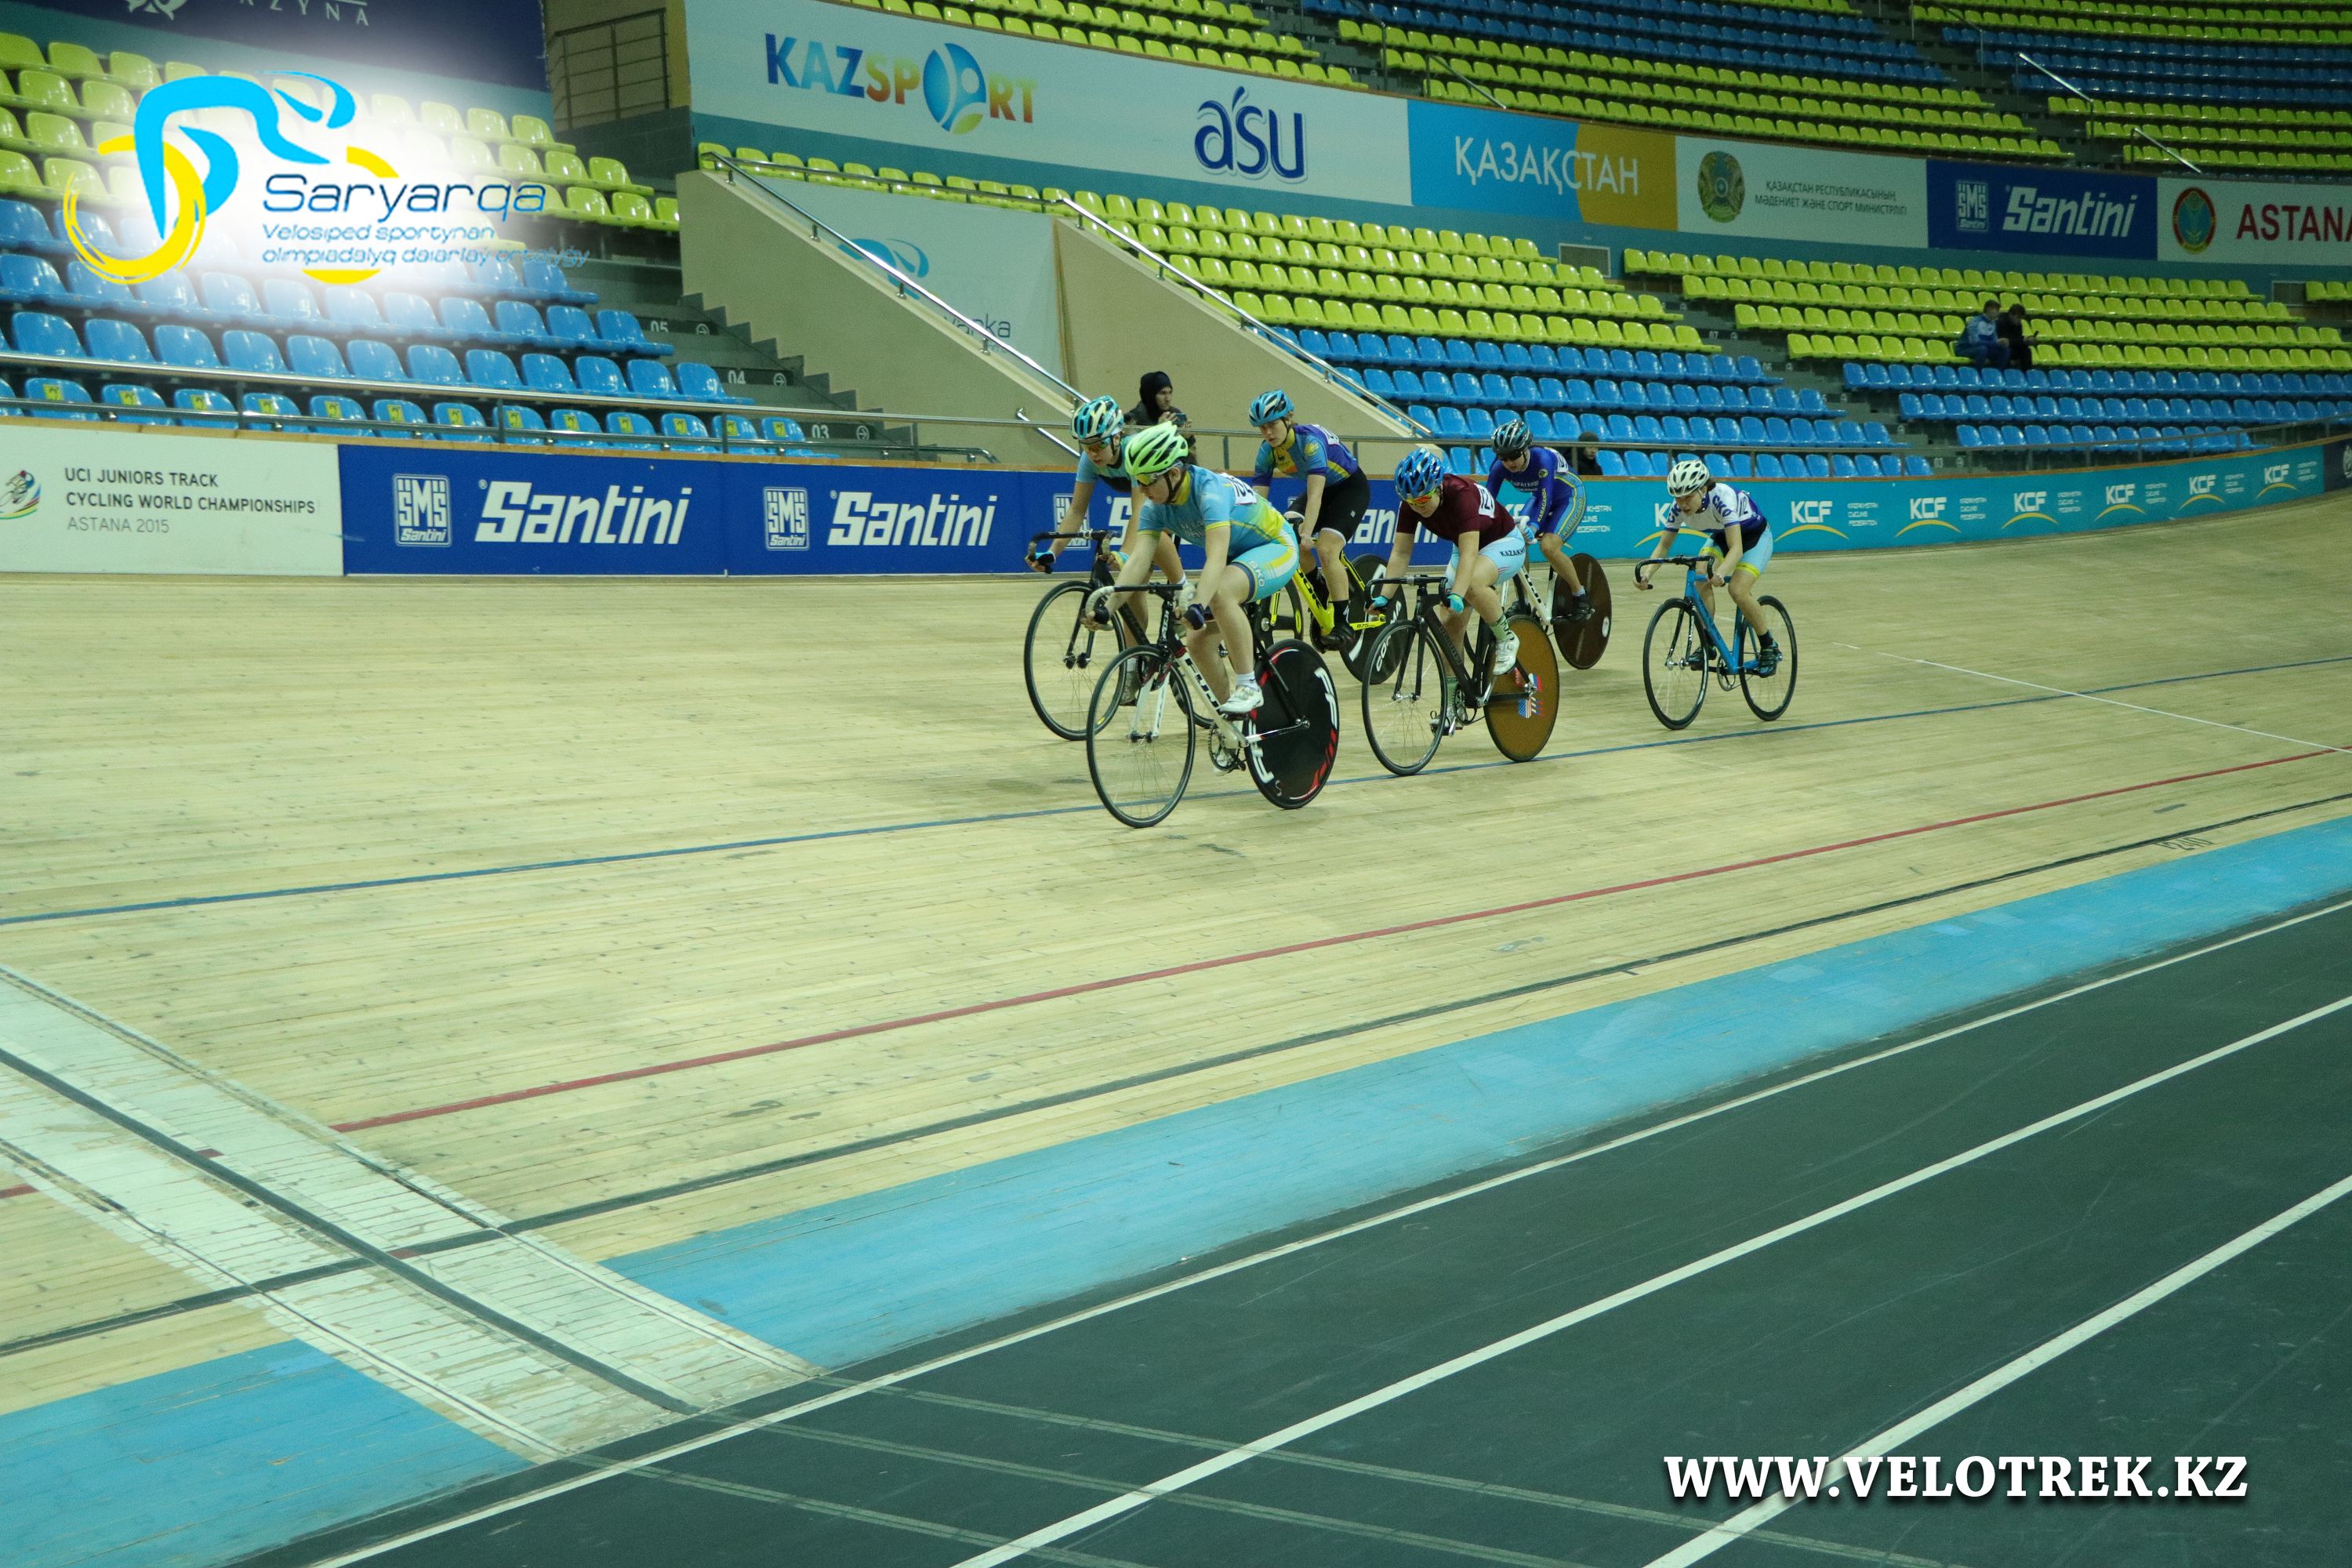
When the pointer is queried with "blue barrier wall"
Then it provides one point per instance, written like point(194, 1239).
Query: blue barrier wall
point(426, 508)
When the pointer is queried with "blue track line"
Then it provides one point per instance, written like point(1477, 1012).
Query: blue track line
point(422, 878)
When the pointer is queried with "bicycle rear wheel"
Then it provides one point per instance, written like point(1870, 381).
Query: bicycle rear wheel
point(1405, 696)
point(1582, 643)
point(1140, 736)
point(1063, 654)
point(1294, 734)
point(1673, 664)
point(1768, 691)
point(1525, 702)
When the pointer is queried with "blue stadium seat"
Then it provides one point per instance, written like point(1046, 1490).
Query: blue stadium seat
point(273, 406)
point(518, 322)
point(683, 427)
point(122, 395)
point(460, 422)
point(290, 302)
point(69, 398)
point(1486, 355)
point(52, 337)
point(574, 428)
point(434, 365)
point(91, 292)
point(776, 427)
point(545, 372)
point(1918, 468)
point(463, 321)
point(515, 418)
point(1767, 466)
point(1743, 467)
point(735, 431)
point(1480, 425)
point(1876, 434)
point(1611, 465)
point(1423, 415)
point(204, 407)
point(650, 378)
point(117, 341)
point(622, 331)
point(1841, 466)
point(172, 298)
point(21, 229)
point(547, 282)
point(496, 280)
point(489, 368)
point(229, 298)
point(626, 422)
point(372, 361)
point(1717, 466)
point(349, 307)
point(329, 406)
point(410, 317)
point(315, 357)
point(599, 376)
point(397, 411)
point(250, 351)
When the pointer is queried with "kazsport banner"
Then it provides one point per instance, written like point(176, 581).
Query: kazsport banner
point(1763, 191)
point(120, 500)
point(433, 507)
point(996, 266)
point(2255, 223)
point(807, 66)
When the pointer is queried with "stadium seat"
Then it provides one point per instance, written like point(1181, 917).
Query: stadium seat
point(545, 372)
point(205, 408)
point(460, 422)
point(490, 369)
point(315, 357)
point(51, 337)
point(650, 379)
point(250, 351)
point(117, 341)
point(598, 377)
point(142, 399)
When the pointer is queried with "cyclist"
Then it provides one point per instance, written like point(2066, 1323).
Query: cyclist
point(1489, 548)
point(1739, 541)
point(1555, 501)
point(1252, 554)
point(1098, 427)
point(1338, 492)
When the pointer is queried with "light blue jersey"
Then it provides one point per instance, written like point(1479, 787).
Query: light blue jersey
point(1206, 498)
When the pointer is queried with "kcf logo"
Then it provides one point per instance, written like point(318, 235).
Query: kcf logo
point(2030, 502)
point(420, 509)
point(1928, 509)
point(787, 508)
point(1814, 511)
point(2276, 474)
point(954, 90)
point(2200, 484)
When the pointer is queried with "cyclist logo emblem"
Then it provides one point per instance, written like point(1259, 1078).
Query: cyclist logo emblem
point(2192, 220)
point(1722, 187)
point(21, 496)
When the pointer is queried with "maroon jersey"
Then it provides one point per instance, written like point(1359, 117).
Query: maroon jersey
point(1463, 506)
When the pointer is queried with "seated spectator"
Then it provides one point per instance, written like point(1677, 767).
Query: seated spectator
point(2012, 332)
point(1980, 339)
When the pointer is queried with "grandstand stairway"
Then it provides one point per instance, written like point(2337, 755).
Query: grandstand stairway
point(1893, 20)
point(761, 372)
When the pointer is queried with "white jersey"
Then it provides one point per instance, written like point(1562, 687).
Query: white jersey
point(1723, 507)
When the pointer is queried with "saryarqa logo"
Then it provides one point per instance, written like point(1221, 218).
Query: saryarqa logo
point(182, 201)
point(905, 255)
point(167, 9)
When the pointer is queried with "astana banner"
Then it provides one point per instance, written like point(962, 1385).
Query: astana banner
point(2254, 223)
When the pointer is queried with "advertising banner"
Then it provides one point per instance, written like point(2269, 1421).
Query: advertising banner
point(2255, 223)
point(1483, 159)
point(1763, 191)
point(2336, 467)
point(996, 266)
point(434, 508)
point(476, 41)
point(806, 65)
point(2049, 211)
point(85, 499)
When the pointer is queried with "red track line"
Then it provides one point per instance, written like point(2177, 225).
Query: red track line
point(1113, 981)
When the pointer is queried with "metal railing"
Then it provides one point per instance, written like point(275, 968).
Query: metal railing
point(736, 169)
point(609, 71)
point(1321, 368)
point(2028, 59)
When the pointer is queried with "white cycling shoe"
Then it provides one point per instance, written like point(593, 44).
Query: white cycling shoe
point(1245, 699)
point(1506, 650)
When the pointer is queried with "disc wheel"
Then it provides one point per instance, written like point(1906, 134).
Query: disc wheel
point(1295, 735)
point(1768, 691)
point(1673, 664)
point(1582, 643)
point(1063, 656)
point(1405, 695)
point(1525, 702)
point(1140, 736)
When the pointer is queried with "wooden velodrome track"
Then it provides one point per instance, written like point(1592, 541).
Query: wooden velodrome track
point(801, 849)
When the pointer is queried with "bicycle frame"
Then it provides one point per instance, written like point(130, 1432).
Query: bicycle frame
point(1732, 655)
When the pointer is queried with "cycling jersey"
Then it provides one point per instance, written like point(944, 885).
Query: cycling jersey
point(1725, 508)
point(1310, 450)
point(1556, 498)
point(1206, 498)
point(1463, 507)
point(1113, 478)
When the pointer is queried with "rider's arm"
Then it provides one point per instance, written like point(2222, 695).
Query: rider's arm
point(1137, 564)
point(1073, 522)
point(1312, 506)
point(1400, 552)
point(1732, 536)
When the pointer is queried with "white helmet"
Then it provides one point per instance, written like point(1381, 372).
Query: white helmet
point(1687, 478)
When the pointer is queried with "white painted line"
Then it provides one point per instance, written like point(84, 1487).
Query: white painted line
point(1902, 1432)
point(1071, 1320)
point(2092, 697)
point(1062, 1529)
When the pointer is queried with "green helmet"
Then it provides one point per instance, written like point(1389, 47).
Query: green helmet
point(1097, 419)
point(1153, 450)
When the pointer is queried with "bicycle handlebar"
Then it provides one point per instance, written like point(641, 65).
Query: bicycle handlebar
point(1092, 535)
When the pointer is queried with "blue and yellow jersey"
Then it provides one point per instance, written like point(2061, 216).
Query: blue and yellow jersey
point(1556, 498)
point(1113, 478)
point(1310, 450)
point(1206, 498)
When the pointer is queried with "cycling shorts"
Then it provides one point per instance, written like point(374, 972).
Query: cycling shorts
point(1345, 501)
point(1755, 558)
point(1270, 567)
point(1509, 554)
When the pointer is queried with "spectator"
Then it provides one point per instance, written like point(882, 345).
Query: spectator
point(2012, 332)
point(1980, 339)
point(1157, 402)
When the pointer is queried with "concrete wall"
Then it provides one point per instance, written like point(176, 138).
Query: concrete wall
point(750, 258)
point(1120, 318)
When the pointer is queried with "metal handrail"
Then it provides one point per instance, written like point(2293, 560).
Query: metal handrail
point(1328, 372)
point(2086, 98)
point(989, 341)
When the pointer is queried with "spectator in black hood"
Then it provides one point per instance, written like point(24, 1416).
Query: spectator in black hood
point(1157, 402)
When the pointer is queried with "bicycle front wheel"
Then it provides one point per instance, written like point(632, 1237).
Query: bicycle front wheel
point(1769, 689)
point(1525, 702)
point(1140, 736)
point(1673, 664)
point(1061, 656)
point(1405, 697)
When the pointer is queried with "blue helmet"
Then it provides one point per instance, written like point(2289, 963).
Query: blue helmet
point(1420, 474)
point(1097, 420)
point(1511, 437)
point(1270, 407)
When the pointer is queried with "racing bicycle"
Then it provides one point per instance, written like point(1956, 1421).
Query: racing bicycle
point(1417, 690)
point(1684, 647)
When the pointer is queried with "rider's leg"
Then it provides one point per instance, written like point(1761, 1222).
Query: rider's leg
point(1743, 594)
point(1231, 625)
point(1555, 553)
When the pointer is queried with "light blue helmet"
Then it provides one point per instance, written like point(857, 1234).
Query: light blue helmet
point(1097, 420)
point(1420, 474)
point(1270, 407)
